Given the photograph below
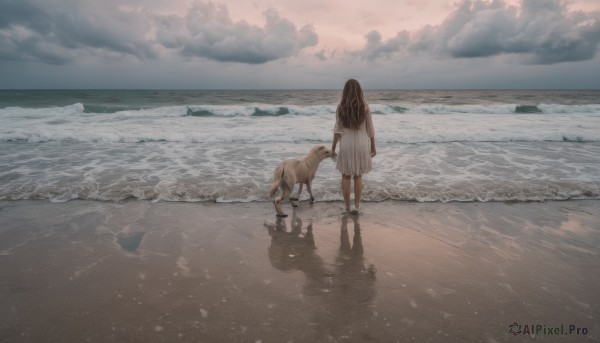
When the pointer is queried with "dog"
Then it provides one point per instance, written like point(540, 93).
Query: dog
point(290, 172)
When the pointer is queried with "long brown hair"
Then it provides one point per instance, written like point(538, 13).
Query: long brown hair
point(352, 110)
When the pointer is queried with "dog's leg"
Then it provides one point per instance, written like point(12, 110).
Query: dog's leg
point(309, 189)
point(299, 192)
point(278, 208)
point(297, 199)
point(285, 192)
point(293, 201)
point(277, 203)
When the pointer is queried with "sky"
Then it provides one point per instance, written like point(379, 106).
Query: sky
point(293, 44)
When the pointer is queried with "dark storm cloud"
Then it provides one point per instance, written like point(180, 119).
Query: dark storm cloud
point(207, 31)
point(60, 31)
point(57, 31)
point(539, 31)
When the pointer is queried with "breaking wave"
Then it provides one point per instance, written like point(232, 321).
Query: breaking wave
point(278, 110)
point(262, 123)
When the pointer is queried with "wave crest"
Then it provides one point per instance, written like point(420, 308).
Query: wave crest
point(285, 109)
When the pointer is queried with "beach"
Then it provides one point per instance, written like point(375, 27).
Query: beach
point(140, 153)
point(143, 216)
point(139, 271)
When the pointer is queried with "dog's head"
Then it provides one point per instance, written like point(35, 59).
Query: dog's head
point(322, 152)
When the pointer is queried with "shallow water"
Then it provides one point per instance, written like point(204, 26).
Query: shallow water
point(224, 145)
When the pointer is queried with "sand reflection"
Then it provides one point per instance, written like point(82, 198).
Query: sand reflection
point(343, 289)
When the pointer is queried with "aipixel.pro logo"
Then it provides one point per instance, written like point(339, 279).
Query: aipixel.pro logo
point(542, 329)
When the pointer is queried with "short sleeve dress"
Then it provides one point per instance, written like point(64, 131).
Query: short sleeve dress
point(354, 156)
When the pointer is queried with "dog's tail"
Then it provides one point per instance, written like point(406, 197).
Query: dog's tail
point(277, 180)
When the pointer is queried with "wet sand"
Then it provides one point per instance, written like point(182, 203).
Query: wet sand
point(168, 272)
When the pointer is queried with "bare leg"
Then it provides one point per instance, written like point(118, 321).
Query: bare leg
point(358, 186)
point(346, 190)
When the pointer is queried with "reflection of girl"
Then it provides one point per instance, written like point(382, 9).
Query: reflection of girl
point(354, 130)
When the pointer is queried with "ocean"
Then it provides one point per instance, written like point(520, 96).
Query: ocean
point(223, 146)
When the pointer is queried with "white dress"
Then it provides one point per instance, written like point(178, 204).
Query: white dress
point(354, 156)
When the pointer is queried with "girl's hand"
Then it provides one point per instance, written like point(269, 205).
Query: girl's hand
point(373, 153)
point(333, 154)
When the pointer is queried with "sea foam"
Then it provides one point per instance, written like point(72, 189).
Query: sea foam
point(227, 153)
point(222, 172)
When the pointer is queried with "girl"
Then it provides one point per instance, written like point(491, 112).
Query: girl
point(354, 130)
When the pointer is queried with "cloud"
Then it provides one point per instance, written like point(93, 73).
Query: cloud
point(538, 31)
point(58, 31)
point(62, 31)
point(376, 48)
point(207, 31)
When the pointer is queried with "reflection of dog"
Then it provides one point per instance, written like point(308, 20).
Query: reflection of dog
point(290, 172)
point(294, 250)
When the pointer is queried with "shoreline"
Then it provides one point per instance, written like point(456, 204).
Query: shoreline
point(303, 200)
point(178, 271)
